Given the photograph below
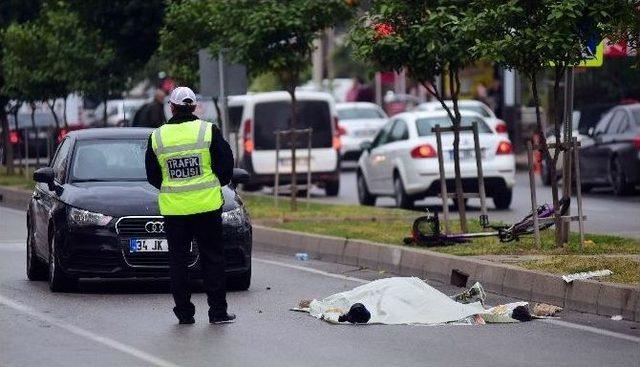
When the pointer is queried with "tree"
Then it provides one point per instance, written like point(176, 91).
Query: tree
point(530, 36)
point(186, 30)
point(125, 35)
point(275, 36)
point(428, 39)
point(11, 11)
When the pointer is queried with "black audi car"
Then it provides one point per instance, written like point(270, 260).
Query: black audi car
point(93, 215)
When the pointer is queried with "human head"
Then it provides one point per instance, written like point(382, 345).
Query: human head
point(159, 96)
point(182, 101)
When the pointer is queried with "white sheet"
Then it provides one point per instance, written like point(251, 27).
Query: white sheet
point(394, 301)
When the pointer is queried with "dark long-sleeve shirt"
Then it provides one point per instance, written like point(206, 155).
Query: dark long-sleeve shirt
point(221, 156)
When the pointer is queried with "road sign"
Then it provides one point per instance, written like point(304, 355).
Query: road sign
point(594, 55)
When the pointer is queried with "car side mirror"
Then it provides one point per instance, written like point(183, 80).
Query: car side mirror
point(46, 175)
point(366, 145)
point(240, 176)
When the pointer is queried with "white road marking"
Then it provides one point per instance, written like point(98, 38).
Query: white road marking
point(143, 356)
point(566, 324)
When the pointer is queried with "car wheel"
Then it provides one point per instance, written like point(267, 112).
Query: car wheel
point(251, 187)
point(58, 281)
point(36, 269)
point(240, 282)
point(402, 199)
point(332, 188)
point(502, 199)
point(364, 196)
point(618, 179)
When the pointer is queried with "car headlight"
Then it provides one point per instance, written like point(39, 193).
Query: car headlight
point(81, 218)
point(233, 217)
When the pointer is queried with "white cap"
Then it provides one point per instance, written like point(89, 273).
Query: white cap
point(182, 96)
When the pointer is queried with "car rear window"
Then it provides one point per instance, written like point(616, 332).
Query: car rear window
point(359, 113)
point(109, 160)
point(270, 117)
point(425, 125)
point(636, 116)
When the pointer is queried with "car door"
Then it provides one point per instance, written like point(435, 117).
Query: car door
point(45, 199)
point(590, 151)
point(376, 159)
point(395, 146)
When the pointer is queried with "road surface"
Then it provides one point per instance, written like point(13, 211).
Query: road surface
point(130, 323)
point(606, 213)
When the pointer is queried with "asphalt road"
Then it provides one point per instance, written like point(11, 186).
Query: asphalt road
point(130, 323)
point(606, 213)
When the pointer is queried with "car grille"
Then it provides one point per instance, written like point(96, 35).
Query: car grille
point(136, 227)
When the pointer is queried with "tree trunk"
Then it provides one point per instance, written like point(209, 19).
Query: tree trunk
point(454, 88)
point(64, 113)
point(292, 139)
point(35, 130)
point(8, 148)
point(544, 149)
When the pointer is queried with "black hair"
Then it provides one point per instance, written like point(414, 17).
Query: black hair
point(183, 109)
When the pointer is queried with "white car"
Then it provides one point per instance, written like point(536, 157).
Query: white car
point(358, 122)
point(261, 115)
point(120, 112)
point(402, 161)
point(496, 124)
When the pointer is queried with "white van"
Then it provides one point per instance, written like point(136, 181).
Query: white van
point(257, 117)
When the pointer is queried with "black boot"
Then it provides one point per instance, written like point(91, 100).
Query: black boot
point(225, 318)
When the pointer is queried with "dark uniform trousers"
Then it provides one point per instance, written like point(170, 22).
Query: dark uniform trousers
point(206, 228)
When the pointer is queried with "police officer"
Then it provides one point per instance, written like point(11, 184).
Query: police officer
point(189, 161)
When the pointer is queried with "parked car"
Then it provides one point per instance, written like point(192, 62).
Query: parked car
point(496, 124)
point(583, 120)
point(611, 154)
point(264, 114)
point(402, 161)
point(120, 112)
point(93, 215)
point(358, 122)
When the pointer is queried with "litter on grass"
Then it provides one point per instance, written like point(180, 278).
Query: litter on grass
point(586, 275)
point(399, 300)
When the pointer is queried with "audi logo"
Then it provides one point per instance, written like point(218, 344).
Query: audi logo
point(154, 227)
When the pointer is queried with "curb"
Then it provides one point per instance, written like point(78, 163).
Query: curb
point(588, 296)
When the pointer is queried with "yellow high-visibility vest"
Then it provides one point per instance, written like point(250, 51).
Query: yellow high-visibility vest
point(189, 186)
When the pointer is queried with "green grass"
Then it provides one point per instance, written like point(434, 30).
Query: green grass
point(17, 179)
point(393, 225)
point(624, 270)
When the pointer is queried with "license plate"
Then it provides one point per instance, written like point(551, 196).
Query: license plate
point(365, 133)
point(467, 154)
point(148, 245)
point(286, 162)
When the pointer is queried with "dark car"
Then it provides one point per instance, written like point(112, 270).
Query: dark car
point(93, 215)
point(612, 156)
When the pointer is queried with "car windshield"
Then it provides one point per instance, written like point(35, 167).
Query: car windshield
point(109, 160)
point(425, 125)
point(359, 113)
point(477, 109)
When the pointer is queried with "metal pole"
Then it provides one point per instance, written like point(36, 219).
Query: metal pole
point(484, 218)
point(534, 200)
point(443, 181)
point(310, 130)
point(566, 151)
point(276, 184)
point(223, 97)
point(26, 153)
point(576, 163)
